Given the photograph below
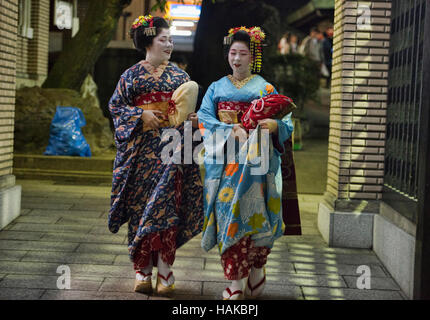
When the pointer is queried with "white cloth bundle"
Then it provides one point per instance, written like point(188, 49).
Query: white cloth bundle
point(183, 102)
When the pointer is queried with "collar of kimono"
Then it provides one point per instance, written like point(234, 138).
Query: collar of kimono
point(156, 72)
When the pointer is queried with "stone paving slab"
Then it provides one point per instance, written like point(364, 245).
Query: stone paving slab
point(45, 219)
point(12, 255)
point(83, 221)
point(349, 294)
point(49, 227)
point(376, 283)
point(38, 245)
point(65, 213)
point(105, 231)
point(340, 269)
point(20, 294)
point(322, 247)
point(89, 207)
point(271, 291)
point(91, 295)
point(67, 225)
point(58, 196)
point(101, 195)
point(28, 201)
point(68, 257)
point(20, 235)
point(327, 258)
point(49, 282)
point(102, 248)
point(127, 285)
point(83, 237)
point(214, 264)
point(46, 205)
point(180, 262)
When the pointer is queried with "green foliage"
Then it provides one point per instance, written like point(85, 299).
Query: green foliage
point(295, 76)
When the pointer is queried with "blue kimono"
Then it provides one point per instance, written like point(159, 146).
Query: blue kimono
point(240, 200)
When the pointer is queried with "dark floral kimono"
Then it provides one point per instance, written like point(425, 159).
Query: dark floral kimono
point(157, 199)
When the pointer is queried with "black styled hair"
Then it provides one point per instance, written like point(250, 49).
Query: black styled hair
point(241, 36)
point(141, 40)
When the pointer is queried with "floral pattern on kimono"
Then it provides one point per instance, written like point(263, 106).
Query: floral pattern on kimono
point(150, 195)
point(237, 201)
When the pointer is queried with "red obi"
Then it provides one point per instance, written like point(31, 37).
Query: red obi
point(231, 112)
point(155, 101)
point(274, 106)
point(152, 97)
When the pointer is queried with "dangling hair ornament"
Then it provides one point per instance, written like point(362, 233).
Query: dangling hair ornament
point(148, 23)
point(257, 37)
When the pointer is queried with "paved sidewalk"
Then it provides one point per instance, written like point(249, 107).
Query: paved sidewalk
point(67, 225)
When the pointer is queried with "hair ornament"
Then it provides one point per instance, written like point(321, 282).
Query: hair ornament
point(147, 22)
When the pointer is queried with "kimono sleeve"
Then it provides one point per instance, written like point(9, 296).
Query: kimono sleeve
point(215, 134)
point(126, 117)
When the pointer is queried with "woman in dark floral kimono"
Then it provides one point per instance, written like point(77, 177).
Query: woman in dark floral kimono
point(161, 201)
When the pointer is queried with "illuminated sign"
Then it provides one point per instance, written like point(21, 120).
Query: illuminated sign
point(184, 11)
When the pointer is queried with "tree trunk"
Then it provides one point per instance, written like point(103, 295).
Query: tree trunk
point(81, 52)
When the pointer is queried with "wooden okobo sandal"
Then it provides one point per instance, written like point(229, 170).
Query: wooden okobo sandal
point(143, 286)
point(161, 289)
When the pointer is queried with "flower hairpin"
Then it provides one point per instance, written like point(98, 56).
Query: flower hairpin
point(147, 22)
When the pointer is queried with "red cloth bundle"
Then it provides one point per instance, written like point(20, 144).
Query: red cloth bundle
point(274, 106)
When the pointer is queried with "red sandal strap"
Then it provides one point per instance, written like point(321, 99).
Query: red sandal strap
point(232, 294)
point(144, 274)
point(165, 278)
point(257, 285)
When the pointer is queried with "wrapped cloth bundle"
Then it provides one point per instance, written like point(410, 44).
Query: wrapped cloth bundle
point(183, 102)
point(274, 106)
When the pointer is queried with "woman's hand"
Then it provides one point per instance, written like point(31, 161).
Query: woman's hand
point(194, 119)
point(150, 119)
point(270, 124)
point(240, 133)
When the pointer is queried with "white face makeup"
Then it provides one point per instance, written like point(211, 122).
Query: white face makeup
point(162, 45)
point(239, 58)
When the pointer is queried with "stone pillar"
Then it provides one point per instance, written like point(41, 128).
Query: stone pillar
point(10, 194)
point(357, 123)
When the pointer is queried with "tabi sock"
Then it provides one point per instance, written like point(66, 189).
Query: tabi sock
point(164, 270)
point(256, 275)
point(235, 285)
point(147, 272)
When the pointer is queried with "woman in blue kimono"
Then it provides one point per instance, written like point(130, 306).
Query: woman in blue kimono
point(242, 205)
point(161, 201)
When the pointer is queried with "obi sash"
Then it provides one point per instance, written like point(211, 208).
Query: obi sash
point(231, 112)
point(155, 101)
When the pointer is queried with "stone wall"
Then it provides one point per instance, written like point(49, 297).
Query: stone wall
point(359, 99)
point(10, 194)
point(32, 53)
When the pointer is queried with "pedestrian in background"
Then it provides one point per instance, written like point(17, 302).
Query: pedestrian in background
point(327, 50)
